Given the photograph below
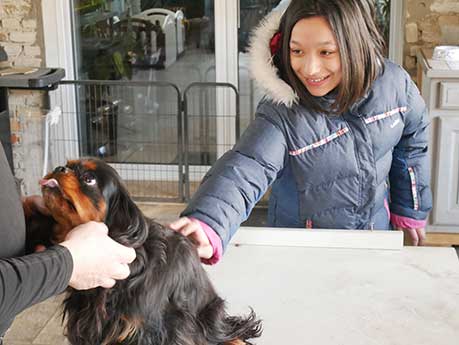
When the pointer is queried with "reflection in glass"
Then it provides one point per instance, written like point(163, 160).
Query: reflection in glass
point(148, 40)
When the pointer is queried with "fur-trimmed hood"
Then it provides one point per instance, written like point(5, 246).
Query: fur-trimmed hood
point(261, 62)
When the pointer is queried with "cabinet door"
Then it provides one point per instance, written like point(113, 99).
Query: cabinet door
point(446, 193)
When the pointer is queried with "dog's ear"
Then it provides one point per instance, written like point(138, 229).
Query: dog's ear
point(124, 219)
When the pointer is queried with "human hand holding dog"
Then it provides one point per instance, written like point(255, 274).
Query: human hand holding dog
point(97, 259)
point(191, 228)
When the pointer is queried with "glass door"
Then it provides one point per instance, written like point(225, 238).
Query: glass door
point(143, 39)
point(142, 43)
point(131, 62)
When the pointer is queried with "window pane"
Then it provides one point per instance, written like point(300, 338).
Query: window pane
point(120, 38)
point(148, 40)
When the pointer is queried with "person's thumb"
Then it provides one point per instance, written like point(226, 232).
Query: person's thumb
point(128, 254)
point(108, 283)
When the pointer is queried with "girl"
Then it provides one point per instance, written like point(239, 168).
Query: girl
point(341, 134)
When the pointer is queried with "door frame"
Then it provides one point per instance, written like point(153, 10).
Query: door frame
point(396, 31)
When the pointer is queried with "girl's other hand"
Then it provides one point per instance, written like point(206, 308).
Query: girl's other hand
point(192, 229)
point(416, 236)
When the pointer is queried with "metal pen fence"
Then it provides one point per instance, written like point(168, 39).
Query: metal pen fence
point(211, 127)
point(159, 139)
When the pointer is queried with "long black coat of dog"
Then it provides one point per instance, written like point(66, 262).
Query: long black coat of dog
point(167, 299)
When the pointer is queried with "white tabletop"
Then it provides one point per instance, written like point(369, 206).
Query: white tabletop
point(314, 295)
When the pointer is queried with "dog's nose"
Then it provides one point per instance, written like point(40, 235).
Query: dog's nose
point(60, 170)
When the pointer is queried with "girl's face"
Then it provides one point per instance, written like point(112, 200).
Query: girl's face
point(314, 55)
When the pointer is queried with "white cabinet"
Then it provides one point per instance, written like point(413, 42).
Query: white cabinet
point(440, 89)
point(446, 198)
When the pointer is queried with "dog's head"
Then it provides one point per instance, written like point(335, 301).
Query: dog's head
point(91, 190)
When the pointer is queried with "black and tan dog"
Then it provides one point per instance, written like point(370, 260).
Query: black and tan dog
point(168, 298)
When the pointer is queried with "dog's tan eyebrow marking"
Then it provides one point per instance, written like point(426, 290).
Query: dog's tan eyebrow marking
point(72, 162)
point(89, 165)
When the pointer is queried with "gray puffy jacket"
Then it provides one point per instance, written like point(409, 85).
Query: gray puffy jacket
point(326, 171)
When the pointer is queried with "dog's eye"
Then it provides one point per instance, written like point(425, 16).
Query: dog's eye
point(89, 179)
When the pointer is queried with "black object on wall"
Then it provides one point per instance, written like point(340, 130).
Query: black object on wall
point(38, 79)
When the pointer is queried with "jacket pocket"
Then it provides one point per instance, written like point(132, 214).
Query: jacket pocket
point(320, 142)
point(386, 115)
point(385, 130)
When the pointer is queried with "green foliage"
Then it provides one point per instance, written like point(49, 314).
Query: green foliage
point(383, 17)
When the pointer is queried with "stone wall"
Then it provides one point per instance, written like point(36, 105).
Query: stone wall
point(21, 34)
point(429, 23)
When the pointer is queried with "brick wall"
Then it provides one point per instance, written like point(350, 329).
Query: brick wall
point(21, 34)
point(429, 23)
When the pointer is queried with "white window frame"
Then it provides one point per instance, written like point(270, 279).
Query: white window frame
point(57, 32)
point(397, 31)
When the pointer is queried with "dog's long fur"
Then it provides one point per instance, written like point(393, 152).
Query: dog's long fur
point(167, 299)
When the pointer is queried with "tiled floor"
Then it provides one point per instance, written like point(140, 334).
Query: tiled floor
point(41, 324)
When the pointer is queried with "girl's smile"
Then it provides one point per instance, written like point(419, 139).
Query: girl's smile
point(317, 82)
point(314, 55)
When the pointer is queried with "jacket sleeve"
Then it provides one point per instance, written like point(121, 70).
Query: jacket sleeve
point(27, 280)
point(240, 177)
point(410, 171)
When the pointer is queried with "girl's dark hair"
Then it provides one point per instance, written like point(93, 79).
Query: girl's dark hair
point(361, 48)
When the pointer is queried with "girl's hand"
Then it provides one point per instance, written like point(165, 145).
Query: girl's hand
point(192, 229)
point(417, 236)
